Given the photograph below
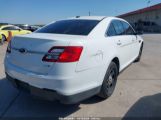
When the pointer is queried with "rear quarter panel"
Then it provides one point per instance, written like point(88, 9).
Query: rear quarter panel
point(97, 54)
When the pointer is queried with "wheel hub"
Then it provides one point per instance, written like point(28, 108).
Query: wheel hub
point(110, 80)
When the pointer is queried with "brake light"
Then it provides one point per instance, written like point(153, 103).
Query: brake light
point(9, 47)
point(63, 54)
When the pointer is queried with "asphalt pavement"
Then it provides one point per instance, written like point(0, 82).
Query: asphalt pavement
point(137, 93)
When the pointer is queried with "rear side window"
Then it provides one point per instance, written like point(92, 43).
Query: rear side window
point(118, 27)
point(128, 29)
point(71, 27)
point(111, 30)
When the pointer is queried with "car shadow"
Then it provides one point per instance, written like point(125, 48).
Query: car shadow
point(93, 100)
point(7, 95)
point(145, 107)
point(15, 104)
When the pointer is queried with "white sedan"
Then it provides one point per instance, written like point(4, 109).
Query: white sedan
point(73, 59)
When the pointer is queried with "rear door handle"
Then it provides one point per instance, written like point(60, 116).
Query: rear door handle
point(119, 42)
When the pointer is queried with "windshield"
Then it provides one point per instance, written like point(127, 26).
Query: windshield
point(71, 27)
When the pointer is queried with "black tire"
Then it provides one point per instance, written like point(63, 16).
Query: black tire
point(3, 39)
point(109, 81)
point(140, 54)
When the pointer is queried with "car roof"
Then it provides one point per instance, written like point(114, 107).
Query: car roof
point(100, 18)
point(24, 25)
point(88, 17)
point(3, 26)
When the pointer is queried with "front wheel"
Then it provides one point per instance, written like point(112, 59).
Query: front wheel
point(3, 39)
point(140, 54)
point(109, 82)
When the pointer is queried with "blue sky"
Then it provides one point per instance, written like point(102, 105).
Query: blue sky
point(45, 11)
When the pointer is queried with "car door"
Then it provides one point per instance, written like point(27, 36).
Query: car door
point(131, 34)
point(16, 30)
point(124, 44)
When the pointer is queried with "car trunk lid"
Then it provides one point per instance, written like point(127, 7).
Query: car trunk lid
point(28, 51)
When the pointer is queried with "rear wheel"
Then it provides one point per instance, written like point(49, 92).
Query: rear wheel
point(140, 54)
point(3, 39)
point(109, 82)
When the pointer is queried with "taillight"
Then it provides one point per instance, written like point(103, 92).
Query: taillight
point(63, 54)
point(9, 47)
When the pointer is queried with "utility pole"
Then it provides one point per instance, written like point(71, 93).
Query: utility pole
point(89, 13)
point(148, 2)
point(148, 20)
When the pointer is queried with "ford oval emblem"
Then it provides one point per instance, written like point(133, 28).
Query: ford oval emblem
point(22, 50)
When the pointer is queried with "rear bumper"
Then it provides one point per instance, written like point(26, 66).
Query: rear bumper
point(66, 84)
point(66, 87)
point(51, 94)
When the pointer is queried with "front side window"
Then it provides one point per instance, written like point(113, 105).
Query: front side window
point(24, 27)
point(11, 28)
point(7, 28)
point(70, 27)
point(128, 29)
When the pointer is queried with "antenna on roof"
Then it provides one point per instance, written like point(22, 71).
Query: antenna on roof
point(89, 13)
point(148, 2)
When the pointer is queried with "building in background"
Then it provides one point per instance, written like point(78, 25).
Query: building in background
point(145, 20)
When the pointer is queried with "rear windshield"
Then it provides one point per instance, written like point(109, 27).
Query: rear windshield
point(71, 27)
